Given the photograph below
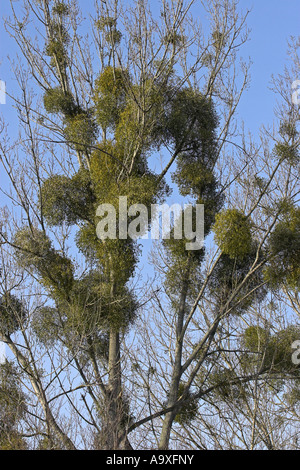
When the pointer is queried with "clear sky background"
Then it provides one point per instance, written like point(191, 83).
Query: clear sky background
point(272, 23)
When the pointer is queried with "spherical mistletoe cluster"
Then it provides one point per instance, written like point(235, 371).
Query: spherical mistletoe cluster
point(108, 26)
point(13, 407)
point(287, 152)
point(232, 232)
point(233, 287)
point(194, 178)
point(86, 315)
point(81, 131)
point(188, 411)
point(225, 386)
point(47, 323)
point(284, 249)
point(56, 46)
point(36, 253)
point(12, 314)
point(94, 309)
point(79, 126)
point(68, 200)
point(110, 96)
point(273, 349)
point(231, 283)
point(61, 9)
point(56, 101)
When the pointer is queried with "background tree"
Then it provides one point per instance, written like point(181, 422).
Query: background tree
point(142, 105)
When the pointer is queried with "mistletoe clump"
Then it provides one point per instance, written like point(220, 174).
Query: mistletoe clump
point(80, 131)
point(232, 231)
point(238, 282)
point(58, 101)
point(189, 410)
point(284, 249)
point(273, 351)
point(68, 200)
point(12, 314)
point(36, 253)
point(110, 96)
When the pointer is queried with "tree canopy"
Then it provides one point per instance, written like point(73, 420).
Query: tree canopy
point(109, 347)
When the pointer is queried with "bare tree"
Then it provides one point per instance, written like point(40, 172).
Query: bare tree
point(132, 102)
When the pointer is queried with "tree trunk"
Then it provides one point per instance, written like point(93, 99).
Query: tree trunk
point(177, 370)
point(114, 435)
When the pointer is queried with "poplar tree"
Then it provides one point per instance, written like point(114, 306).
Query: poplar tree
point(140, 103)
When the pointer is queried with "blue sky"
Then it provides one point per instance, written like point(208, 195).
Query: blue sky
point(272, 23)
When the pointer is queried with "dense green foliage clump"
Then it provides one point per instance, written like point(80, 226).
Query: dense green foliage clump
point(110, 97)
point(232, 231)
point(56, 101)
point(68, 200)
point(12, 408)
point(226, 385)
point(12, 314)
point(188, 411)
point(271, 351)
point(286, 151)
point(238, 282)
point(61, 9)
point(284, 249)
point(89, 312)
point(80, 131)
point(36, 252)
